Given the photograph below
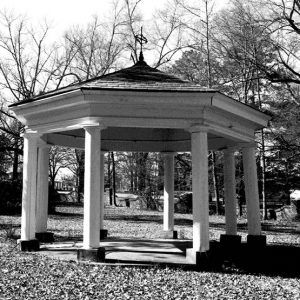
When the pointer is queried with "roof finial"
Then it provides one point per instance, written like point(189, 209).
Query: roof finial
point(140, 38)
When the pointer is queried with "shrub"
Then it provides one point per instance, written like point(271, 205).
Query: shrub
point(10, 231)
point(150, 199)
point(185, 203)
point(296, 203)
point(10, 197)
point(52, 200)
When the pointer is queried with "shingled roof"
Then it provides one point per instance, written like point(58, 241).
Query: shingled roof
point(140, 77)
point(140, 72)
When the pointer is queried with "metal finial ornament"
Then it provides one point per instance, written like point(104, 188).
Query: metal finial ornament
point(141, 39)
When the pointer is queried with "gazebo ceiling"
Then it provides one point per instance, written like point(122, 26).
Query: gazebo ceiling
point(137, 139)
point(141, 109)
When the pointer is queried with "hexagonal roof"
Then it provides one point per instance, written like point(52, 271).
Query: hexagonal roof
point(141, 109)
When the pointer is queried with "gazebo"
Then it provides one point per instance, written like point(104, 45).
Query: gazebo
point(139, 109)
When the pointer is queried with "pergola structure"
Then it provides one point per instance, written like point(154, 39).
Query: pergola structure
point(139, 109)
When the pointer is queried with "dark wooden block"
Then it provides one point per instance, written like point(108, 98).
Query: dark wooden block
point(201, 260)
point(45, 237)
point(103, 234)
point(256, 241)
point(230, 241)
point(29, 245)
point(96, 254)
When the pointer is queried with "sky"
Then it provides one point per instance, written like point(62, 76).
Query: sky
point(62, 14)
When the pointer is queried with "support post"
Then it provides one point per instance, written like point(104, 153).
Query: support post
point(91, 220)
point(200, 196)
point(168, 219)
point(42, 193)
point(103, 232)
point(28, 242)
point(252, 198)
point(230, 239)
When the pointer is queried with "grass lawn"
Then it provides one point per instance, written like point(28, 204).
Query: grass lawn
point(34, 276)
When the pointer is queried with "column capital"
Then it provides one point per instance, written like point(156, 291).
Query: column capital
point(198, 128)
point(94, 126)
point(30, 134)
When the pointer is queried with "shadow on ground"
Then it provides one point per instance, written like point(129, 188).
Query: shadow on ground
point(272, 260)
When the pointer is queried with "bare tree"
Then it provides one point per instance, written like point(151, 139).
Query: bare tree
point(167, 38)
point(59, 158)
point(197, 19)
point(198, 22)
point(25, 60)
point(271, 26)
point(251, 47)
point(282, 20)
point(97, 48)
point(132, 20)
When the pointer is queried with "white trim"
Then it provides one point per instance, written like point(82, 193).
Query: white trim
point(67, 125)
point(240, 109)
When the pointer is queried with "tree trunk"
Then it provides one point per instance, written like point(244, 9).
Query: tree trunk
point(263, 176)
point(15, 163)
point(215, 181)
point(209, 75)
point(16, 157)
point(131, 181)
point(109, 178)
point(114, 178)
point(135, 176)
point(142, 171)
point(262, 153)
point(287, 187)
point(80, 175)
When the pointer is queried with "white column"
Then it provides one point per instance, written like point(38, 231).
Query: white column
point(102, 190)
point(168, 191)
point(29, 187)
point(42, 187)
point(251, 191)
point(91, 219)
point(230, 192)
point(200, 189)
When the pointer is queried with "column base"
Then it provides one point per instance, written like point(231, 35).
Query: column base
point(45, 237)
point(256, 241)
point(230, 241)
point(103, 234)
point(170, 234)
point(29, 245)
point(256, 255)
point(94, 254)
point(201, 260)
